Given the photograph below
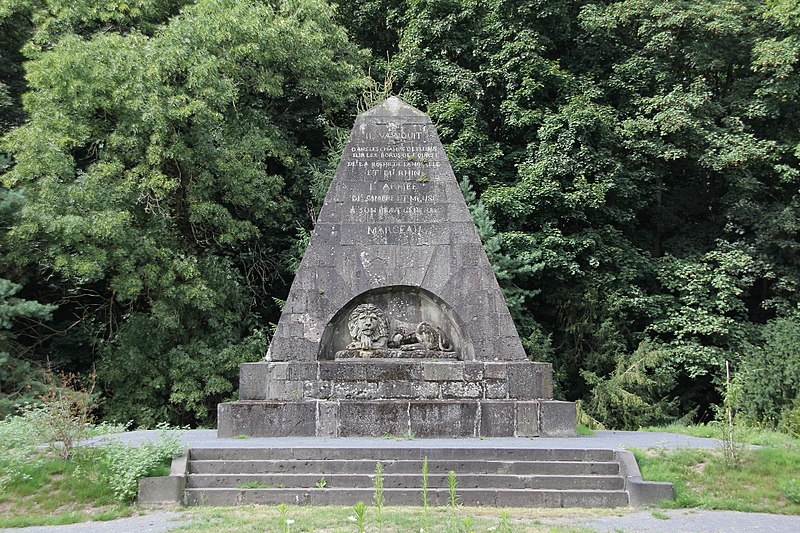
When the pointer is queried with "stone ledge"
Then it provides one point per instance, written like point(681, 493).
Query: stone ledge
point(395, 379)
point(641, 493)
point(165, 490)
point(375, 418)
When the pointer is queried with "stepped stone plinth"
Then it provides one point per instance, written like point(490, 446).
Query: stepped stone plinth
point(395, 323)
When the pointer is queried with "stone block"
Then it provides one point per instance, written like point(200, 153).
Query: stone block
point(527, 419)
point(497, 418)
point(317, 389)
point(520, 381)
point(473, 390)
point(253, 381)
point(443, 371)
point(473, 371)
point(495, 371)
point(343, 370)
point(327, 419)
point(393, 371)
point(452, 389)
point(285, 390)
point(443, 418)
point(495, 390)
point(543, 381)
point(277, 371)
point(164, 490)
point(407, 390)
point(373, 418)
point(557, 419)
point(302, 370)
point(266, 419)
point(348, 390)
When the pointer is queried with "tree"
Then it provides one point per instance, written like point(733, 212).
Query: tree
point(165, 170)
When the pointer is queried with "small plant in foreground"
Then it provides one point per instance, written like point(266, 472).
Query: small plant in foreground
point(425, 483)
point(505, 523)
point(792, 491)
point(360, 509)
point(321, 484)
point(283, 510)
point(731, 447)
point(378, 498)
point(451, 484)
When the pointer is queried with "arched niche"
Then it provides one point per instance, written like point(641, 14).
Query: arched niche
point(401, 304)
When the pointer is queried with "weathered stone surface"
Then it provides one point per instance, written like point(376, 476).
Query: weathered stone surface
point(378, 417)
point(253, 381)
point(497, 419)
point(528, 419)
point(443, 371)
point(445, 418)
point(327, 419)
point(520, 381)
point(394, 216)
point(266, 419)
point(557, 419)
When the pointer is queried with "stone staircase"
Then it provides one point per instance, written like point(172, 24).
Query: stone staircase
point(510, 477)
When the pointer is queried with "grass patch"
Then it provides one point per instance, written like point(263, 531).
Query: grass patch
point(703, 479)
point(393, 519)
point(584, 430)
point(746, 435)
point(53, 491)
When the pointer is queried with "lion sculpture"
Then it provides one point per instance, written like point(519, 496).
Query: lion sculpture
point(368, 328)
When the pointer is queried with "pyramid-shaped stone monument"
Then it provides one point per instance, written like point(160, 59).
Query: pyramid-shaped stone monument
point(395, 323)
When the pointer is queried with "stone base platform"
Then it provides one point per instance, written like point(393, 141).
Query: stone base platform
point(399, 418)
point(398, 397)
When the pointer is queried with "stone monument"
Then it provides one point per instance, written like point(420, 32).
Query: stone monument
point(395, 323)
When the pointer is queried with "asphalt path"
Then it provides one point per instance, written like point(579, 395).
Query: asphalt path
point(627, 520)
point(207, 438)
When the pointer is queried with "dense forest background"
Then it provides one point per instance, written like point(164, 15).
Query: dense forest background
point(632, 167)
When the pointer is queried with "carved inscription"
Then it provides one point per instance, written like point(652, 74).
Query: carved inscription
point(398, 199)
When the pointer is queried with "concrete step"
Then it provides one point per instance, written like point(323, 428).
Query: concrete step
point(406, 481)
point(406, 466)
point(385, 454)
point(437, 497)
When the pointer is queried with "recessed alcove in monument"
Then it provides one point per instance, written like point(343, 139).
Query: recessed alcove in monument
point(409, 315)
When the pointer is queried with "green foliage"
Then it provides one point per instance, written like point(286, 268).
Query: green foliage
point(18, 440)
point(128, 464)
point(360, 509)
point(162, 167)
point(631, 166)
point(792, 491)
point(770, 374)
point(20, 380)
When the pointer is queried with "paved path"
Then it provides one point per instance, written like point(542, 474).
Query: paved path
point(207, 438)
point(685, 520)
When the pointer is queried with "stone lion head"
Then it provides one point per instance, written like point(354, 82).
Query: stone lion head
point(368, 321)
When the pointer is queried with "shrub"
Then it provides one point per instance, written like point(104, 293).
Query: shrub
point(128, 464)
point(771, 374)
point(18, 440)
point(62, 418)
